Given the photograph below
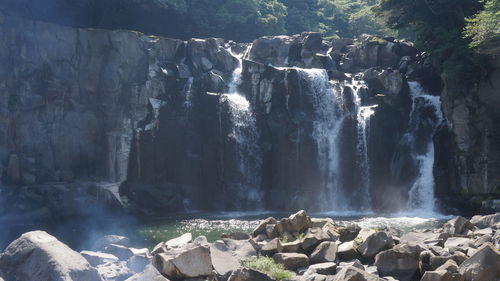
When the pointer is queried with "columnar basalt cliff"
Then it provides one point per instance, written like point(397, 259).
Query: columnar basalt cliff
point(285, 122)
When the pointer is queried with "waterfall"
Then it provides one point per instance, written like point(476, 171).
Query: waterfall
point(363, 115)
point(425, 118)
point(327, 100)
point(246, 137)
point(188, 92)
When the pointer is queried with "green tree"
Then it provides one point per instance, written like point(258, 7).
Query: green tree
point(484, 27)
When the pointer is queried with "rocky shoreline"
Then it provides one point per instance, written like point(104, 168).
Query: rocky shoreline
point(294, 248)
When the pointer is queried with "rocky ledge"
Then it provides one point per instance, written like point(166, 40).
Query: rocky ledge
point(294, 248)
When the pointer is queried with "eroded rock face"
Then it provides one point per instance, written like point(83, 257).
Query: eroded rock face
point(39, 256)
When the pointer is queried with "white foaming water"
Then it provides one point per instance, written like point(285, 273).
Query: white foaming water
point(421, 196)
point(188, 92)
point(364, 113)
point(328, 124)
point(244, 132)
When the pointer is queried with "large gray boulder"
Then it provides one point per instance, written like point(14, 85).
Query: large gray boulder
point(351, 273)
point(262, 227)
point(97, 258)
point(191, 261)
point(107, 240)
point(150, 273)
point(347, 251)
point(313, 237)
point(484, 265)
point(457, 225)
point(296, 223)
point(401, 262)
point(246, 274)
point(485, 221)
point(291, 260)
point(226, 255)
point(39, 256)
point(374, 244)
point(325, 252)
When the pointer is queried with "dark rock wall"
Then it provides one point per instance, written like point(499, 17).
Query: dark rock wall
point(150, 113)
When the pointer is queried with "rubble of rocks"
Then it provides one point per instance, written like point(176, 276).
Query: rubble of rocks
point(312, 249)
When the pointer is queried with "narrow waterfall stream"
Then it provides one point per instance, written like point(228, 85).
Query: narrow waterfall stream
point(245, 135)
point(328, 101)
point(425, 118)
point(363, 124)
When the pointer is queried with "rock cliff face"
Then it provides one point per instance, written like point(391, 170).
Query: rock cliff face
point(285, 122)
point(469, 164)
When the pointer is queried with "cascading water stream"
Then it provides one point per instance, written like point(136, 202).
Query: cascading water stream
point(330, 116)
point(244, 133)
point(363, 115)
point(422, 129)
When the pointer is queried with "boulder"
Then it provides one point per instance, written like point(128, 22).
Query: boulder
point(320, 222)
point(437, 261)
point(262, 227)
point(313, 237)
point(324, 252)
point(347, 251)
point(441, 275)
point(458, 244)
point(290, 247)
point(107, 240)
point(227, 253)
point(401, 262)
point(327, 268)
point(246, 274)
point(272, 49)
point(297, 222)
point(39, 256)
point(177, 242)
point(374, 244)
point(191, 261)
point(115, 271)
point(121, 252)
point(483, 265)
point(348, 232)
point(355, 263)
point(387, 81)
point(351, 273)
point(311, 45)
point(485, 221)
point(97, 258)
point(270, 248)
point(291, 260)
point(457, 225)
point(236, 236)
point(150, 273)
point(424, 239)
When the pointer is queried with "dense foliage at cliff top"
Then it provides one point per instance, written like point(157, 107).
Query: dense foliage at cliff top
point(437, 26)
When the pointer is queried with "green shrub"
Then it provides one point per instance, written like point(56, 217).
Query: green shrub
point(268, 266)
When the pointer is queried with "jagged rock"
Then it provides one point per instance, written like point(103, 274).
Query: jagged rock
point(226, 255)
point(289, 247)
point(457, 225)
point(311, 45)
point(458, 244)
point(350, 273)
point(437, 261)
point(150, 273)
point(386, 81)
point(271, 231)
point(401, 262)
point(177, 242)
point(482, 266)
point(121, 252)
point(372, 270)
point(313, 237)
point(341, 43)
point(348, 232)
point(114, 271)
point(347, 251)
point(441, 275)
point(324, 252)
point(327, 268)
point(485, 221)
point(297, 222)
point(270, 248)
point(374, 244)
point(107, 240)
point(190, 261)
point(423, 239)
point(246, 274)
point(272, 49)
point(39, 256)
point(262, 227)
point(97, 258)
point(291, 260)
point(320, 222)
point(355, 263)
